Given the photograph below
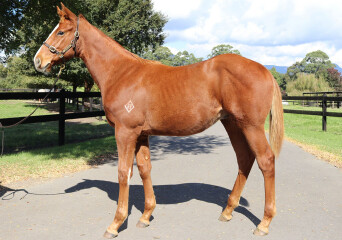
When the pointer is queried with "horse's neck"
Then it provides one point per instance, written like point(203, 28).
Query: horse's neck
point(105, 59)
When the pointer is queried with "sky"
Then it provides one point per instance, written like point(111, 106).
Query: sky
point(275, 32)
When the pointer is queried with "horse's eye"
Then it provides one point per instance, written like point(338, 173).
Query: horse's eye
point(60, 33)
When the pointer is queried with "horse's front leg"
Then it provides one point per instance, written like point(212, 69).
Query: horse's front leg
point(126, 142)
point(144, 166)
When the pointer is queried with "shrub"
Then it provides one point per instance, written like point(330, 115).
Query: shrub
point(307, 83)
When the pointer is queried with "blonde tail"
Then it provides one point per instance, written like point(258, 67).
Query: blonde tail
point(276, 121)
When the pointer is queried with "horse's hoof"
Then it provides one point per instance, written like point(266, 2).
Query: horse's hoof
point(141, 224)
point(259, 232)
point(109, 235)
point(224, 218)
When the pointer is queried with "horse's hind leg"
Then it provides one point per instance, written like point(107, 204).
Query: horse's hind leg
point(144, 166)
point(245, 159)
point(255, 136)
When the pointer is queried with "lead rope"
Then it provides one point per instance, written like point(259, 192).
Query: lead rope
point(25, 118)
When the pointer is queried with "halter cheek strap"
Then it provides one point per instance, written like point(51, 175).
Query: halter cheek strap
point(67, 48)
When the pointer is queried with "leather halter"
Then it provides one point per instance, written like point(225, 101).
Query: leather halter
point(67, 48)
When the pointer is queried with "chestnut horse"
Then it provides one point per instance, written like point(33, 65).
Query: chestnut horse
point(143, 98)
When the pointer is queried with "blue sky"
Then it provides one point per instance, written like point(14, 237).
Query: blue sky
point(278, 32)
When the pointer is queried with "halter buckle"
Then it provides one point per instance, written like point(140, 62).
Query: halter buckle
point(52, 49)
point(77, 34)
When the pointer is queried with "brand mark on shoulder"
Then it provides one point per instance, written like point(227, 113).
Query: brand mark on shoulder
point(129, 106)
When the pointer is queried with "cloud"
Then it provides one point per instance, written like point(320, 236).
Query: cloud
point(177, 8)
point(264, 30)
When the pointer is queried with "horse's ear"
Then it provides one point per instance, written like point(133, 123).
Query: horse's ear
point(60, 12)
point(67, 14)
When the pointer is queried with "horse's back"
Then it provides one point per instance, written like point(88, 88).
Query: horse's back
point(189, 99)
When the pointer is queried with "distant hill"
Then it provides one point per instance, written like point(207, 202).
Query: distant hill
point(338, 68)
point(283, 69)
point(280, 69)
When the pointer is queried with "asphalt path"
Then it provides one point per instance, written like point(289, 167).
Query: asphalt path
point(192, 178)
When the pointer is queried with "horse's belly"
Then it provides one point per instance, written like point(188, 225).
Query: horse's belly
point(182, 124)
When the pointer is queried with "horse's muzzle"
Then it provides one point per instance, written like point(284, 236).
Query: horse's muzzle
point(39, 68)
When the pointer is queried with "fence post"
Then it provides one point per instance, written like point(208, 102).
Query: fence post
point(91, 104)
point(324, 111)
point(61, 126)
point(101, 108)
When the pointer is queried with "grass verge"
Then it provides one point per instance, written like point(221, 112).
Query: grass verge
point(306, 131)
point(55, 161)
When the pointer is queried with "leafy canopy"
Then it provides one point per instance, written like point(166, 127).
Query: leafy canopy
point(223, 49)
point(165, 56)
point(316, 63)
point(132, 23)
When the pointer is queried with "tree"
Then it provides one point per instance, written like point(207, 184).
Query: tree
point(3, 71)
point(316, 62)
point(279, 77)
point(223, 49)
point(334, 79)
point(17, 74)
point(165, 56)
point(185, 58)
point(132, 23)
point(294, 69)
point(161, 54)
point(10, 16)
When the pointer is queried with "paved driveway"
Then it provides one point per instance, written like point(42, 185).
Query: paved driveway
point(192, 177)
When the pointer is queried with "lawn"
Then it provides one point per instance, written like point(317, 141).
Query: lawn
point(20, 108)
point(55, 161)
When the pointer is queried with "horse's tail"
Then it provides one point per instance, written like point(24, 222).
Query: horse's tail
point(276, 120)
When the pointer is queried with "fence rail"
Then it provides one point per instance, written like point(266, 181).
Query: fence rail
point(324, 99)
point(60, 117)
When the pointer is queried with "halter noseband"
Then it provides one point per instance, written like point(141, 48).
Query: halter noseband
point(71, 45)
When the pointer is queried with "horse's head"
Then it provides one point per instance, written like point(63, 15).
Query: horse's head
point(60, 44)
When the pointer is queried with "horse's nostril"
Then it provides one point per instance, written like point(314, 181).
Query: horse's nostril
point(38, 62)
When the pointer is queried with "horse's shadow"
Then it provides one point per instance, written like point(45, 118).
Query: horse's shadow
point(168, 194)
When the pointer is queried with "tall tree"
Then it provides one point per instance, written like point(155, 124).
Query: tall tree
point(165, 56)
point(132, 23)
point(279, 77)
point(185, 58)
point(11, 12)
point(222, 49)
point(161, 54)
point(316, 62)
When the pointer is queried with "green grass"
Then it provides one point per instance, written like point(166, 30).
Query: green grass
point(19, 108)
point(307, 129)
point(54, 161)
